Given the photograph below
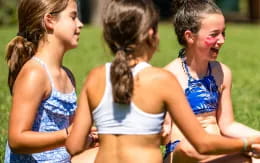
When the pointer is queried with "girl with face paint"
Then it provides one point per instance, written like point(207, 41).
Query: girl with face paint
point(200, 29)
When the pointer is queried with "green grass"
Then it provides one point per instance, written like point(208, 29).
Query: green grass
point(241, 53)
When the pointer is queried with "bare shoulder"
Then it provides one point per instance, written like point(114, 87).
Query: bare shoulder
point(220, 69)
point(94, 85)
point(95, 76)
point(222, 74)
point(32, 77)
point(158, 76)
point(174, 66)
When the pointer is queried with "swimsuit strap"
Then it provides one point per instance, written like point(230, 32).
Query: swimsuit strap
point(209, 69)
point(46, 69)
point(139, 67)
point(170, 148)
point(186, 69)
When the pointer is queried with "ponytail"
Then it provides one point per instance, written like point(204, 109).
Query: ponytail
point(121, 78)
point(19, 50)
point(125, 26)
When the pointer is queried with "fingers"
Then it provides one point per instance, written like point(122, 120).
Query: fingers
point(93, 129)
point(94, 141)
point(255, 150)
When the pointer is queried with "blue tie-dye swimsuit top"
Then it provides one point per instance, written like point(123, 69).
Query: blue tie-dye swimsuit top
point(54, 114)
point(202, 94)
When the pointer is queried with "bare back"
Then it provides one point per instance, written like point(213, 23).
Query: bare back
point(149, 98)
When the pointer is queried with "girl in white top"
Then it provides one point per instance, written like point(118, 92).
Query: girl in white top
point(128, 88)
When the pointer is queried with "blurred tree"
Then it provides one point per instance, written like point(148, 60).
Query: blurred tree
point(8, 12)
point(91, 10)
point(228, 5)
point(84, 10)
point(254, 10)
point(164, 7)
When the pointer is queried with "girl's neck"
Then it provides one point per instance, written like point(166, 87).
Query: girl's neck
point(51, 54)
point(133, 62)
point(197, 67)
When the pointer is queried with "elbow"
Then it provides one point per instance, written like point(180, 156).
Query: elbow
point(73, 149)
point(15, 146)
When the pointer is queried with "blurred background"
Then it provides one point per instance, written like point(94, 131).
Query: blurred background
point(90, 10)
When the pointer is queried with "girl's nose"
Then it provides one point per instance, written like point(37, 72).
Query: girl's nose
point(221, 39)
point(80, 24)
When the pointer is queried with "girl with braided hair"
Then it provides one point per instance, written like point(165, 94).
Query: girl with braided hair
point(127, 98)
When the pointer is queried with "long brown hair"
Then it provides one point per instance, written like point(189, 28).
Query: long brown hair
point(31, 30)
point(126, 24)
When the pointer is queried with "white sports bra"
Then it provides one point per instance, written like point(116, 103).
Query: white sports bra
point(114, 118)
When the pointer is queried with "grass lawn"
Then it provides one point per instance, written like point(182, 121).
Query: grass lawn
point(241, 53)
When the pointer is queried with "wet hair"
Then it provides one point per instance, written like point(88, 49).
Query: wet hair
point(188, 15)
point(31, 30)
point(125, 26)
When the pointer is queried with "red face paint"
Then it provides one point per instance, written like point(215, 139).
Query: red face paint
point(210, 41)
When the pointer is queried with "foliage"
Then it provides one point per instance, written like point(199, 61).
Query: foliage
point(7, 12)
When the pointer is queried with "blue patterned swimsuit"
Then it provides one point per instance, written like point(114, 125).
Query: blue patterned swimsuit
point(54, 114)
point(202, 95)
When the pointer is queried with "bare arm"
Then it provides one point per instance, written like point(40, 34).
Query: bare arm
point(182, 115)
point(30, 88)
point(78, 139)
point(166, 129)
point(225, 116)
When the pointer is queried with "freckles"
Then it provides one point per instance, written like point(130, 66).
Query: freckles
point(210, 41)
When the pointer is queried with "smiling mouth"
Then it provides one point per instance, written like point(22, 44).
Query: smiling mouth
point(216, 50)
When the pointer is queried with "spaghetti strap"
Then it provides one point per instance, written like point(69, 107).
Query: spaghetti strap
point(46, 69)
point(139, 67)
point(209, 69)
point(186, 70)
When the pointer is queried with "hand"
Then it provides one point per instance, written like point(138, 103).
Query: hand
point(166, 133)
point(93, 140)
point(255, 151)
point(166, 130)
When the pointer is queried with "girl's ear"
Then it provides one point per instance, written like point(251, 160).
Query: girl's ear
point(188, 35)
point(48, 22)
point(153, 38)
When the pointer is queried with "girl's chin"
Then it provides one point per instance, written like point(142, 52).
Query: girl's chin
point(213, 58)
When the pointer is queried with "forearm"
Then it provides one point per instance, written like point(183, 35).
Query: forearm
point(34, 142)
point(220, 145)
point(238, 130)
point(75, 147)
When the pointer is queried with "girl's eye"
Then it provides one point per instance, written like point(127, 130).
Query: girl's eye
point(224, 34)
point(214, 34)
